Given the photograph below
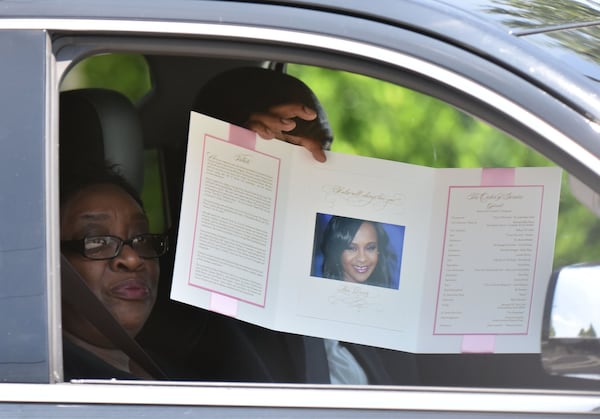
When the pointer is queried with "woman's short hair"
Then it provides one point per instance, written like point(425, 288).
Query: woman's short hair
point(73, 179)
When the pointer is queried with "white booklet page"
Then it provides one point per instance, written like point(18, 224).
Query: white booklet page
point(364, 250)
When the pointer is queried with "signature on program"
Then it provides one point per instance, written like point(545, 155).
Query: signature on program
point(363, 198)
point(352, 297)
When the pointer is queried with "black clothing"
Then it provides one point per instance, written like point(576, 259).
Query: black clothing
point(80, 363)
point(208, 346)
point(214, 347)
point(386, 366)
point(382, 366)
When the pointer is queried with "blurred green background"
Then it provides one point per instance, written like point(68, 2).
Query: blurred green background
point(407, 126)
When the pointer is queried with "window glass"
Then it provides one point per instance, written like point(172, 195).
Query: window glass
point(152, 193)
point(374, 118)
point(128, 74)
point(370, 118)
point(125, 73)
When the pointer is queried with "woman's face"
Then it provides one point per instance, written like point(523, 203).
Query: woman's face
point(360, 258)
point(127, 284)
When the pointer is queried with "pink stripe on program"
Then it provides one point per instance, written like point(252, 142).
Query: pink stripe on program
point(223, 304)
point(478, 344)
point(242, 137)
point(498, 176)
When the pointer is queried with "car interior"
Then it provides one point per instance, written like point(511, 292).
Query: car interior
point(145, 134)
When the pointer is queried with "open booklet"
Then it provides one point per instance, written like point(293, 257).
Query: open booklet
point(364, 250)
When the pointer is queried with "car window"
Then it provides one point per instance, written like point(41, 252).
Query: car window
point(370, 117)
point(384, 120)
point(132, 80)
point(123, 72)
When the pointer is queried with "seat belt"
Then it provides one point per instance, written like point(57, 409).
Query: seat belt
point(76, 293)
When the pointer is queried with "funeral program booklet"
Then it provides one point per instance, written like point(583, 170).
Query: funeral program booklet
point(364, 250)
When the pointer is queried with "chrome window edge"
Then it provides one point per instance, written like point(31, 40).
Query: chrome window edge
point(333, 397)
point(52, 217)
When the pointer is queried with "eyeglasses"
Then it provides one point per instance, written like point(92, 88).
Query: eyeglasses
point(147, 246)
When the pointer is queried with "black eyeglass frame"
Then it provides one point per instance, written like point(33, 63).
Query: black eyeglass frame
point(79, 245)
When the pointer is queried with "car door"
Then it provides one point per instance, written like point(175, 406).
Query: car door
point(27, 206)
point(187, 43)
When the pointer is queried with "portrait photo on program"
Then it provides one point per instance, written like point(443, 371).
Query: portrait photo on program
point(357, 250)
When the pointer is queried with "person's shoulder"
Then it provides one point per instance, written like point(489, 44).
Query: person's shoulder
point(79, 363)
point(386, 366)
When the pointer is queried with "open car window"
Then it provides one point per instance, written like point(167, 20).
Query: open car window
point(369, 117)
point(384, 120)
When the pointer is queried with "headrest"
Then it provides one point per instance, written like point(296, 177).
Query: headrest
point(233, 95)
point(99, 126)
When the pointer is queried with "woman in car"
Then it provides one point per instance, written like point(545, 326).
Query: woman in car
point(105, 237)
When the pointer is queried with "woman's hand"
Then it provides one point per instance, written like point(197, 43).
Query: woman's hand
point(277, 122)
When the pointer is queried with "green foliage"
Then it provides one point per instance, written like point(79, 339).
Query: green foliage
point(126, 73)
point(374, 118)
point(590, 332)
point(383, 120)
point(152, 193)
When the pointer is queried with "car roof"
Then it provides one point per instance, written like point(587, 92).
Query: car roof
point(567, 30)
point(552, 44)
point(514, 16)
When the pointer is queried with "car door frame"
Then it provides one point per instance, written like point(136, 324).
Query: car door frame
point(441, 74)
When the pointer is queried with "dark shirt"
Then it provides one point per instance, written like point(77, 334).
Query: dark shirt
point(214, 347)
point(78, 363)
point(382, 366)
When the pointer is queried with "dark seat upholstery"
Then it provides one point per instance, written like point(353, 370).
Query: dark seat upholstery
point(98, 125)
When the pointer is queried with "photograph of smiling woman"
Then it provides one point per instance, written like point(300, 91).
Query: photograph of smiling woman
point(358, 251)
